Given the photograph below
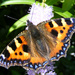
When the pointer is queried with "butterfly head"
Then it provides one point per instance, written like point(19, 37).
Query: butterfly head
point(29, 23)
point(33, 30)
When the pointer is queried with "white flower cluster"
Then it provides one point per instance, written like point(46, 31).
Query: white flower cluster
point(39, 14)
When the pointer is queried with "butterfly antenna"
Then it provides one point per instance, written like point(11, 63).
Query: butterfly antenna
point(12, 18)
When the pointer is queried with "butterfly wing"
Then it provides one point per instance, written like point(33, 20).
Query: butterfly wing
point(21, 50)
point(17, 52)
point(61, 31)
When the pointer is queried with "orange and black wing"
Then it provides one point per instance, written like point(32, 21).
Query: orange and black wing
point(17, 52)
point(62, 31)
point(62, 28)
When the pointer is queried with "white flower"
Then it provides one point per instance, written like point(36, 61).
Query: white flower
point(73, 54)
point(51, 73)
point(39, 14)
point(47, 70)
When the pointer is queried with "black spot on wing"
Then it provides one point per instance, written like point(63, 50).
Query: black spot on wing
point(50, 23)
point(61, 31)
point(19, 40)
point(59, 22)
point(20, 53)
point(64, 28)
point(15, 53)
point(54, 32)
point(6, 53)
point(12, 45)
point(68, 21)
point(25, 48)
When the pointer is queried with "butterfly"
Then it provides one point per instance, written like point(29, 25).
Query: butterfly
point(32, 48)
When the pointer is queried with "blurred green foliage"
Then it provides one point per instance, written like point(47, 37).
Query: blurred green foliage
point(19, 9)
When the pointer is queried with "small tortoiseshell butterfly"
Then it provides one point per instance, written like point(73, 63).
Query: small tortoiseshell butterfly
point(33, 48)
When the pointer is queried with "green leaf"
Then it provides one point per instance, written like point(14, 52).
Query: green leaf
point(62, 13)
point(11, 2)
point(21, 22)
point(51, 2)
point(67, 4)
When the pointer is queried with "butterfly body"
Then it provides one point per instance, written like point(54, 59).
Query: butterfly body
point(33, 48)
